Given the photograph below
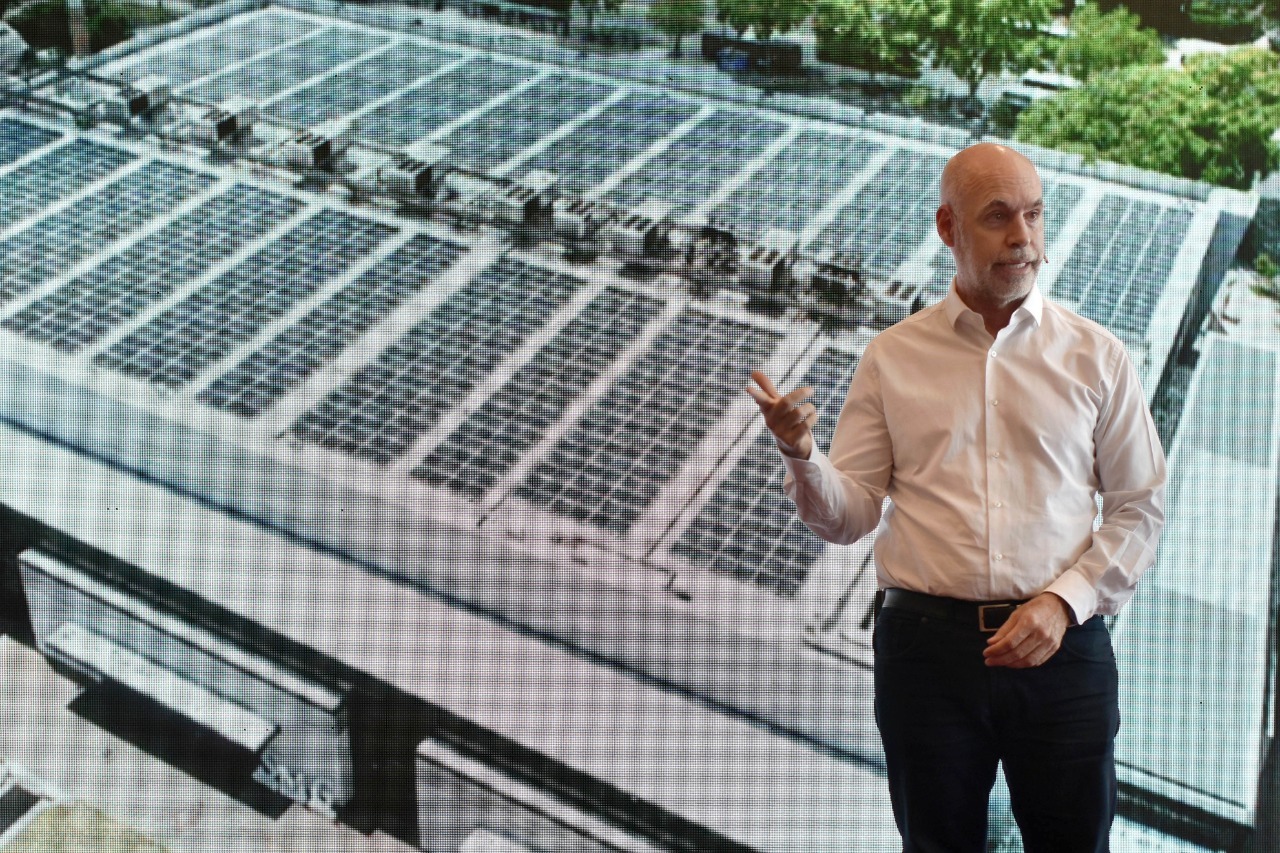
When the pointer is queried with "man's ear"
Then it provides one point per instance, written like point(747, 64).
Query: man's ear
point(945, 220)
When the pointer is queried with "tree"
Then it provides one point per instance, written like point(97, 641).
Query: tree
point(1210, 121)
point(765, 18)
point(678, 18)
point(1101, 42)
point(877, 36)
point(975, 39)
point(594, 7)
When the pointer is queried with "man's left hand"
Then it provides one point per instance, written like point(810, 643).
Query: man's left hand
point(1032, 635)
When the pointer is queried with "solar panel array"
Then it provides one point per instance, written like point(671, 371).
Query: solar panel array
point(354, 88)
point(269, 75)
point(519, 414)
point(611, 466)
point(685, 175)
point(385, 407)
point(83, 310)
point(212, 51)
point(421, 112)
point(17, 139)
point(897, 202)
point(280, 365)
point(176, 345)
point(60, 240)
point(604, 143)
point(63, 171)
point(1121, 264)
point(748, 529)
point(501, 133)
point(789, 190)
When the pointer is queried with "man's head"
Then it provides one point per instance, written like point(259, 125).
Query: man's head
point(991, 216)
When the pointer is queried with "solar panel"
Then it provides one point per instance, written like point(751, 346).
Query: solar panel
point(424, 110)
point(1122, 263)
point(359, 85)
point(607, 141)
point(748, 528)
point(685, 175)
point(209, 53)
point(613, 463)
point(519, 414)
point(177, 344)
point(286, 360)
point(787, 191)
point(17, 139)
point(378, 413)
point(1077, 274)
point(63, 171)
point(270, 75)
point(899, 201)
point(510, 127)
point(90, 305)
point(53, 244)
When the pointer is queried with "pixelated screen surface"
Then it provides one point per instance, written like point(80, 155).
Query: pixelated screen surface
point(379, 474)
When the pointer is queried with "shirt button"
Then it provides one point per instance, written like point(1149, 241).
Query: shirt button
point(995, 455)
point(999, 556)
point(995, 402)
point(993, 353)
point(998, 504)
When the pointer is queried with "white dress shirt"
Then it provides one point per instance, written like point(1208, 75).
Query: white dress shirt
point(991, 453)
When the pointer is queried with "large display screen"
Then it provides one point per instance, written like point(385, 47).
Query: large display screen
point(463, 304)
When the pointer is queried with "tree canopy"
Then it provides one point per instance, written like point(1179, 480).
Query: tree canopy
point(766, 18)
point(975, 39)
point(678, 18)
point(877, 36)
point(1210, 121)
point(1101, 42)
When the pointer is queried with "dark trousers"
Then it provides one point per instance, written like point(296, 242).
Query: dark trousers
point(947, 720)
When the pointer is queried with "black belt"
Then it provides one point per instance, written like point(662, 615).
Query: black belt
point(986, 616)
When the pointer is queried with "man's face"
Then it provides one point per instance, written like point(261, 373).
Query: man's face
point(993, 224)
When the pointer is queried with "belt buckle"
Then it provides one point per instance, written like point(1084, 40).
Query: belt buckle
point(982, 616)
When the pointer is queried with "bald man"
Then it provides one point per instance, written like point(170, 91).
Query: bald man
point(991, 422)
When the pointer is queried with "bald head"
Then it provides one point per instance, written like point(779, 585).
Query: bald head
point(976, 166)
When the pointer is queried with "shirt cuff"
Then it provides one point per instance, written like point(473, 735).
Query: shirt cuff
point(1078, 593)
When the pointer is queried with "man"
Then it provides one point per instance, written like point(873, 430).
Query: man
point(990, 421)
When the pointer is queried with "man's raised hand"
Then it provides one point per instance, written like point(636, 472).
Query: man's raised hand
point(787, 416)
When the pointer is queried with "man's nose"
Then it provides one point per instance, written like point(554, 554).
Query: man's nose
point(1019, 232)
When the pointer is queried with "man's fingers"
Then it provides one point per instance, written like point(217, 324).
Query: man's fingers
point(765, 383)
point(763, 400)
point(1030, 637)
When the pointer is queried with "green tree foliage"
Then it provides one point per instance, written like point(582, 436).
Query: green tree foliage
point(1210, 121)
point(877, 36)
point(975, 39)
point(678, 18)
point(765, 18)
point(1101, 42)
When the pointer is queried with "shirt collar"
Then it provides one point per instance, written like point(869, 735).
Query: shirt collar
point(1032, 306)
